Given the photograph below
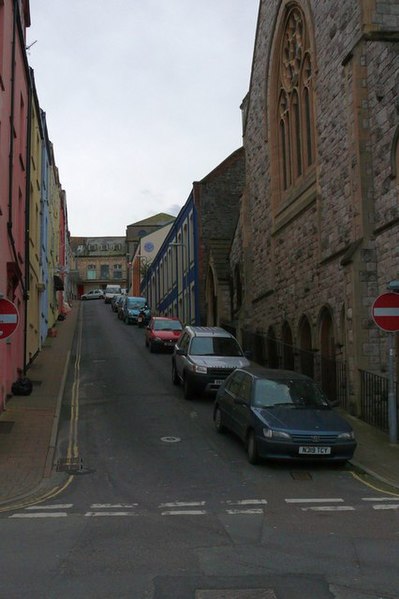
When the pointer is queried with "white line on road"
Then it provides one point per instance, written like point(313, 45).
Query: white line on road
point(248, 511)
point(329, 508)
point(183, 513)
point(60, 506)
point(106, 514)
point(379, 498)
point(315, 500)
point(100, 506)
point(387, 506)
point(248, 502)
point(182, 504)
point(41, 515)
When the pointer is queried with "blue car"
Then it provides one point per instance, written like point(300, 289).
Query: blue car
point(132, 307)
point(283, 415)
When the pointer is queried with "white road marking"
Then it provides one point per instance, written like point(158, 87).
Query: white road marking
point(387, 506)
point(60, 506)
point(248, 502)
point(329, 508)
point(99, 506)
point(379, 499)
point(182, 504)
point(248, 511)
point(315, 500)
point(41, 515)
point(183, 513)
point(106, 514)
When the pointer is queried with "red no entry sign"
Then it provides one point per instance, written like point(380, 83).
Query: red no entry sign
point(385, 312)
point(8, 318)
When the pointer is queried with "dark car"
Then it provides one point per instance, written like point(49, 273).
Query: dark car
point(203, 358)
point(132, 308)
point(162, 333)
point(282, 414)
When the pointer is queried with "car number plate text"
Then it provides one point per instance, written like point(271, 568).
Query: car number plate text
point(315, 450)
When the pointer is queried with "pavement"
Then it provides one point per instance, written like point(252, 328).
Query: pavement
point(29, 426)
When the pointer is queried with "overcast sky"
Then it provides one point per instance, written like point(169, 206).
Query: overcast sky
point(142, 97)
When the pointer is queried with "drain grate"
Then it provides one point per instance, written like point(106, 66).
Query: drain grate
point(298, 475)
point(6, 427)
point(71, 465)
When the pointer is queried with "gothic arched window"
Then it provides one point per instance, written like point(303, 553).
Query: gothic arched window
point(295, 99)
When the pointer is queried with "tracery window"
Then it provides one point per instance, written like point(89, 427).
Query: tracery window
point(295, 100)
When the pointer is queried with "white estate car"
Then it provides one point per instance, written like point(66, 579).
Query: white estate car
point(93, 294)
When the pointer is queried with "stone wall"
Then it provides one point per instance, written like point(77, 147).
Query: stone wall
point(342, 248)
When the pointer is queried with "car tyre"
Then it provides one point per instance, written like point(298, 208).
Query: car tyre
point(218, 420)
point(188, 390)
point(252, 450)
point(175, 377)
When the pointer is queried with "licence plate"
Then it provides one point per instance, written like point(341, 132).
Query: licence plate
point(218, 382)
point(315, 450)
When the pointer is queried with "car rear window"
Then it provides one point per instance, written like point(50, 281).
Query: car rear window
point(215, 346)
point(167, 325)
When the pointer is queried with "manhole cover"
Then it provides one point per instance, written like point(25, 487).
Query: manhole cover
point(170, 439)
point(5, 427)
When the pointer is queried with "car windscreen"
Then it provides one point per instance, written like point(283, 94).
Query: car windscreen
point(293, 393)
point(215, 346)
point(167, 325)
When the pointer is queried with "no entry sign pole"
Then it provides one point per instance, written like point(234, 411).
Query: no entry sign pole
point(385, 312)
point(392, 407)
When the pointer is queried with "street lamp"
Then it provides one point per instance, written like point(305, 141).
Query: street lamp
point(185, 277)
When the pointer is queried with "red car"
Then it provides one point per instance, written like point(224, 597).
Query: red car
point(162, 333)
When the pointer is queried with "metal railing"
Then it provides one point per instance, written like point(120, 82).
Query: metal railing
point(329, 373)
point(374, 399)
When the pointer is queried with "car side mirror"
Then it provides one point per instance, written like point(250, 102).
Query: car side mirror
point(180, 351)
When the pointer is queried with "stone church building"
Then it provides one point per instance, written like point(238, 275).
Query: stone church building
point(318, 234)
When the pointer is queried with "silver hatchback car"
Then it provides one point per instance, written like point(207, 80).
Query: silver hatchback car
point(203, 357)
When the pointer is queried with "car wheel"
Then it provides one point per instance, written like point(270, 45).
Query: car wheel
point(218, 420)
point(252, 450)
point(188, 390)
point(175, 377)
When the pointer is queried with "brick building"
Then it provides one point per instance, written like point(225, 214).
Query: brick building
point(318, 236)
point(98, 262)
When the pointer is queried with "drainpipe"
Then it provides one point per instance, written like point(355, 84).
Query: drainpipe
point(27, 210)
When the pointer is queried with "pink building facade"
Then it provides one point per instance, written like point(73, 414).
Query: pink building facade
point(14, 109)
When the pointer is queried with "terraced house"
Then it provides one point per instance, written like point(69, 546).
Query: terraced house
point(33, 217)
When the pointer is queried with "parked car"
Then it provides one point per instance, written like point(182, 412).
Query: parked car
point(132, 308)
point(282, 414)
point(114, 306)
point(119, 302)
point(110, 291)
point(203, 357)
point(93, 294)
point(162, 333)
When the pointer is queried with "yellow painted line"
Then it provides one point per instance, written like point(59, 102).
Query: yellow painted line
point(375, 488)
point(49, 495)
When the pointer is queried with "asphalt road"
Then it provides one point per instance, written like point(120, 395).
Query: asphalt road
point(162, 507)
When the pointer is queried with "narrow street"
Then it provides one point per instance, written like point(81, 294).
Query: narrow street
point(163, 507)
